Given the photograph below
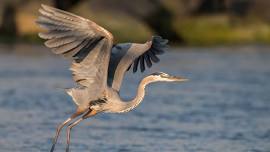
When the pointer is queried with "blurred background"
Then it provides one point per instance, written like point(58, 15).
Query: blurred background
point(222, 46)
point(184, 22)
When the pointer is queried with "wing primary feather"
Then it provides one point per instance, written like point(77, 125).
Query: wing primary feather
point(46, 19)
point(59, 41)
point(54, 34)
point(83, 53)
point(51, 26)
point(135, 65)
point(129, 67)
point(142, 66)
point(148, 60)
point(157, 50)
point(71, 53)
point(51, 34)
point(66, 47)
point(160, 42)
point(52, 16)
point(153, 57)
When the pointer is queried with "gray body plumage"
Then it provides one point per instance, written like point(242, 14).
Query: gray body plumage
point(98, 66)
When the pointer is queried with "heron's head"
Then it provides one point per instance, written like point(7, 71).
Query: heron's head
point(161, 76)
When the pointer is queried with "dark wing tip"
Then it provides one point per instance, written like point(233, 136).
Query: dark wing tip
point(158, 47)
point(159, 42)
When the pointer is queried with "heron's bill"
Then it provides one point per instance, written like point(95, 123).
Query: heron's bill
point(179, 79)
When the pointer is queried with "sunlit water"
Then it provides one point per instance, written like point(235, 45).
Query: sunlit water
point(225, 107)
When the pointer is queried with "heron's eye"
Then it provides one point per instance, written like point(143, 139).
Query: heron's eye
point(164, 75)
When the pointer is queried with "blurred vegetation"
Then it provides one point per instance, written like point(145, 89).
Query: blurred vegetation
point(185, 22)
point(218, 29)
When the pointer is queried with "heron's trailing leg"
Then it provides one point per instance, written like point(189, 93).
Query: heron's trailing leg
point(59, 128)
point(70, 126)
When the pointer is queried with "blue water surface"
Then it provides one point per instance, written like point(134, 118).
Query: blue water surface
point(225, 107)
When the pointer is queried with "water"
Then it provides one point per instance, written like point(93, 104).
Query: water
point(225, 107)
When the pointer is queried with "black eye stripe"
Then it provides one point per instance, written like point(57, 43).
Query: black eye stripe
point(156, 73)
point(161, 74)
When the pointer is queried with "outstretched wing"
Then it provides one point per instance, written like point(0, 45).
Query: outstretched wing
point(79, 39)
point(139, 55)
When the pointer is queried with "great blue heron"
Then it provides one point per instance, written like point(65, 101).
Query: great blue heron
point(98, 66)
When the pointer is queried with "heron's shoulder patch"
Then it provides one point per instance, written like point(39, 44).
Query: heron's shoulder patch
point(98, 101)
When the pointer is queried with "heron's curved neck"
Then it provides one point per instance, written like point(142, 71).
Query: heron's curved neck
point(129, 105)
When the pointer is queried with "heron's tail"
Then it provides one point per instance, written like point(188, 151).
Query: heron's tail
point(71, 93)
point(79, 95)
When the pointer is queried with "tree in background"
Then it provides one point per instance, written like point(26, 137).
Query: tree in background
point(163, 17)
point(65, 4)
point(159, 19)
point(8, 27)
point(233, 7)
point(261, 9)
point(210, 6)
point(152, 12)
